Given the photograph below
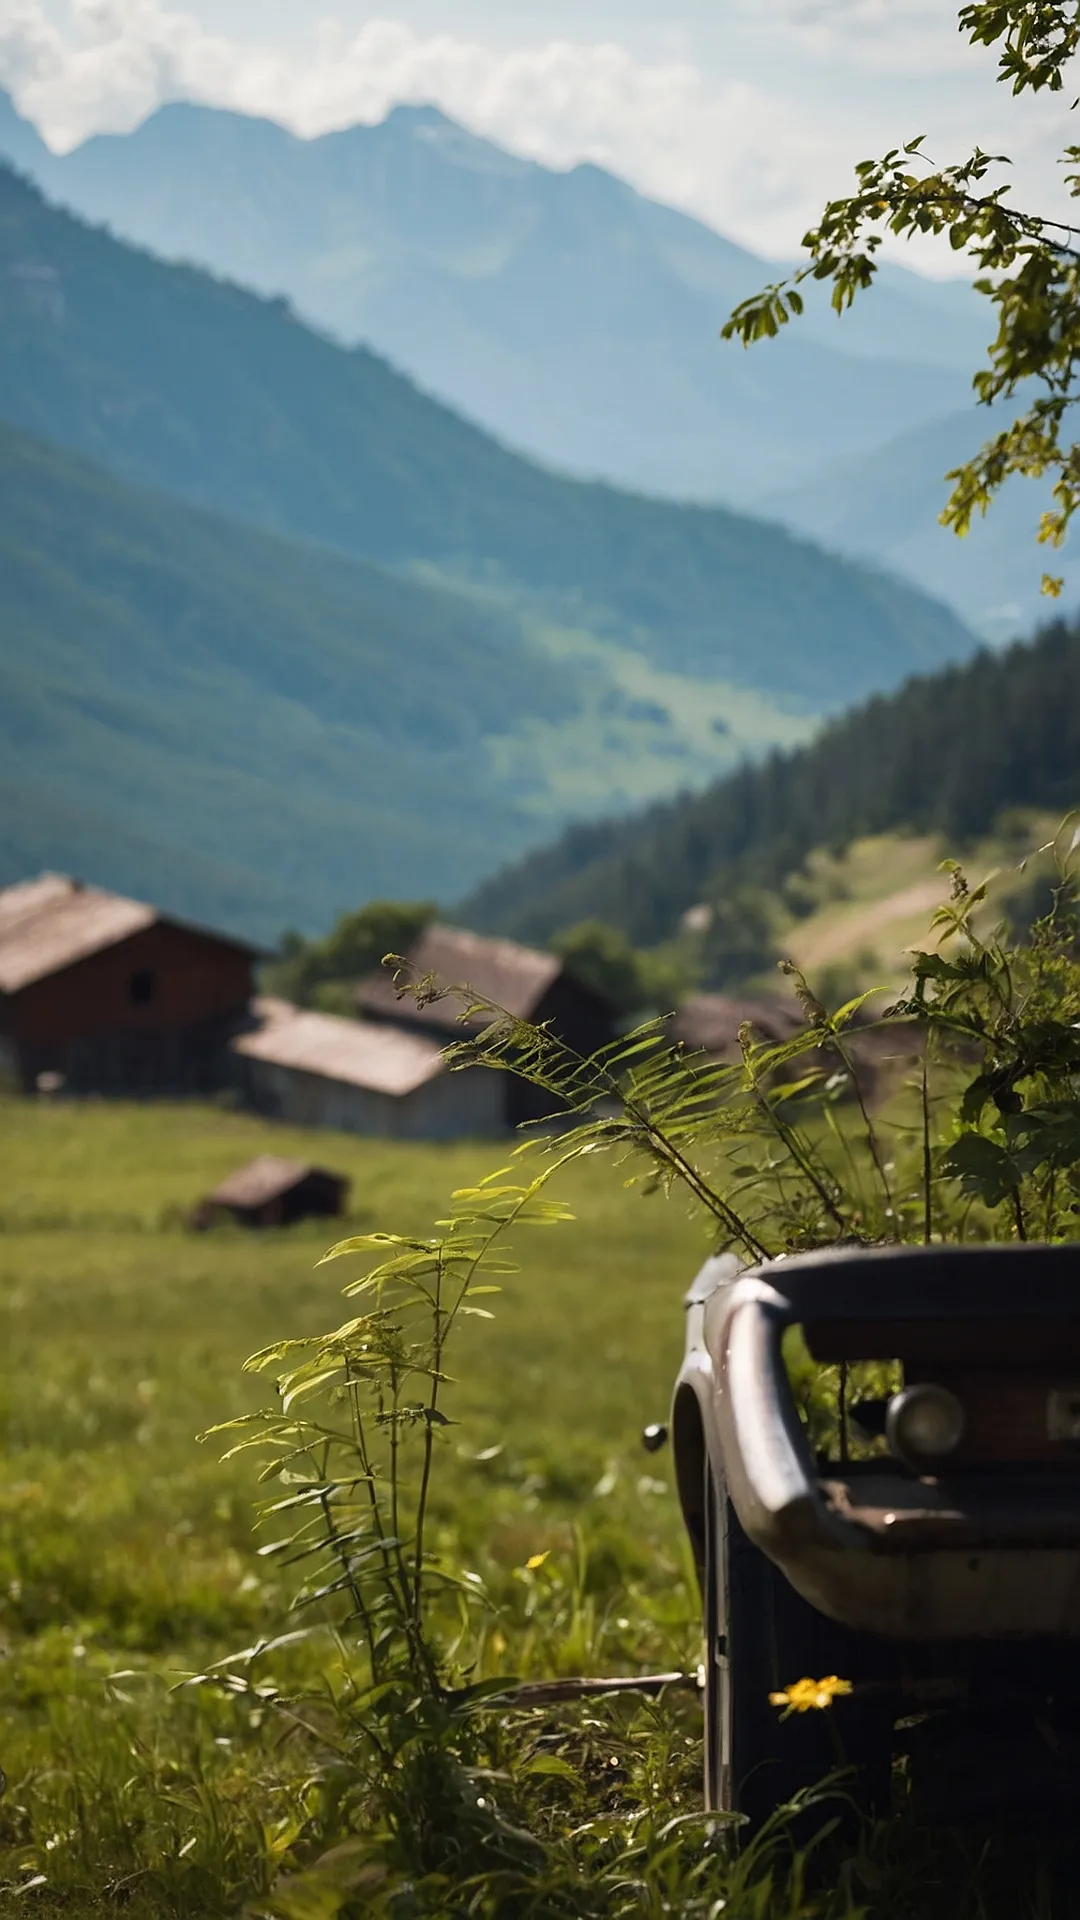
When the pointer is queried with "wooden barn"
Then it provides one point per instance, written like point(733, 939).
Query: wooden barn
point(319, 1070)
point(709, 1022)
point(271, 1192)
point(880, 1051)
point(525, 982)
point(107, 995)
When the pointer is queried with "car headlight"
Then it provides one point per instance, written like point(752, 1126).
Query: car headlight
point(924, 1423)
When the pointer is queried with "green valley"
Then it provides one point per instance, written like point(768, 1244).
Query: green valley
point(258, 732)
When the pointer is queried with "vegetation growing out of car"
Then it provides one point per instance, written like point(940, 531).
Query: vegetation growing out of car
point(431, 1775)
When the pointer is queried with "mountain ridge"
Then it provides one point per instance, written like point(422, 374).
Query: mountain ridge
point(566, 313)
point(874, 507)
point(179, 381)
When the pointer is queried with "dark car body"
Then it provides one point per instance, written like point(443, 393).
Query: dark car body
point(960, 1575)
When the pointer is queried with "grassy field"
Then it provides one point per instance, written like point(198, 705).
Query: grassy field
point(128, 1559)
point(126, 1547)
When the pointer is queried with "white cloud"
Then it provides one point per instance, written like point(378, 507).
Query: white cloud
point(892, 37)
point(727, 152)
point(757, 156)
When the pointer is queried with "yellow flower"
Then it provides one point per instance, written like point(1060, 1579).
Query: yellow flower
point(537, 1560)
point(806, 1696)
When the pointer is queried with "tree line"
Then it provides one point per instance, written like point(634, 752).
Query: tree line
point(947, 752)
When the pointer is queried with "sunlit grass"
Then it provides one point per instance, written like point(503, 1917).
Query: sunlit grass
point(128, 1559)
point(126, 1546)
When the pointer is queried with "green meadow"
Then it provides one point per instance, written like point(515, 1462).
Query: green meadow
point(130, 1563)
point(128, 1558)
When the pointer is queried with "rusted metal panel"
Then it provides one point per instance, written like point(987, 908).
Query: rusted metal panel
point(989, 1549)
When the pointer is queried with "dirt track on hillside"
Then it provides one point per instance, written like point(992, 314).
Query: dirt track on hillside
point(864, 926)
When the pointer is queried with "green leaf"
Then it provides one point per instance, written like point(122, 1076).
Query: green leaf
point(982, 1167)
point(975, 1098)
point(550, 1763)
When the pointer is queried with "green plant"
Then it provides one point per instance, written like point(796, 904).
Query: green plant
point(1028, 265)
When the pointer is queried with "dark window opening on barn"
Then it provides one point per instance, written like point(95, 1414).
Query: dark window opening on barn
point(142, 988)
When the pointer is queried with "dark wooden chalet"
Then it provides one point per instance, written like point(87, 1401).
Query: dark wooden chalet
point(107, 995)
point(529, 984)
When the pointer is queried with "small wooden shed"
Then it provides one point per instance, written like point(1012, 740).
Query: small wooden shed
point(271, 1192)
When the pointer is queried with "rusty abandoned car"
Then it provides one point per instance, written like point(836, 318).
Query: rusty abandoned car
point(933, 1561)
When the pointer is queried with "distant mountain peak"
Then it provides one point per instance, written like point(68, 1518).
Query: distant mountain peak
point(20, 140)
point(419, 114)
point(456, 144)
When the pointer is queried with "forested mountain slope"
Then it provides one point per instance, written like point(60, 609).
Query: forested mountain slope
point(247, 730)
point(191, 385)
point(945, 752)
point(562, 311)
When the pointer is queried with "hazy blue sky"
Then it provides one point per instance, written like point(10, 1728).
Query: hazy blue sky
point(746, 112)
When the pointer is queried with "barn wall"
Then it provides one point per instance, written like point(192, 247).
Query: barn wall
point(456, 1106)
point(579, 1020)
point(87, 1022)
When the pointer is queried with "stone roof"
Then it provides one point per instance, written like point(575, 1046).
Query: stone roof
point(49, 923)
point(710, 1022)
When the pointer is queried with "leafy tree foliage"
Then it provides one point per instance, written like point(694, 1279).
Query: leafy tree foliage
point(323, 972)
point(601, 956)
point(1030, 267)
point(739, 940)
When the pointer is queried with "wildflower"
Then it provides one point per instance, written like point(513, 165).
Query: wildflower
point(806, 1696)
point(537, 1561)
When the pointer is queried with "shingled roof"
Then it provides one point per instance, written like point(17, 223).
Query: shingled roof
point(710, 1022)
point(51, 922)
point(513, 977)
point(264, 1179)
point(380, 1059)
